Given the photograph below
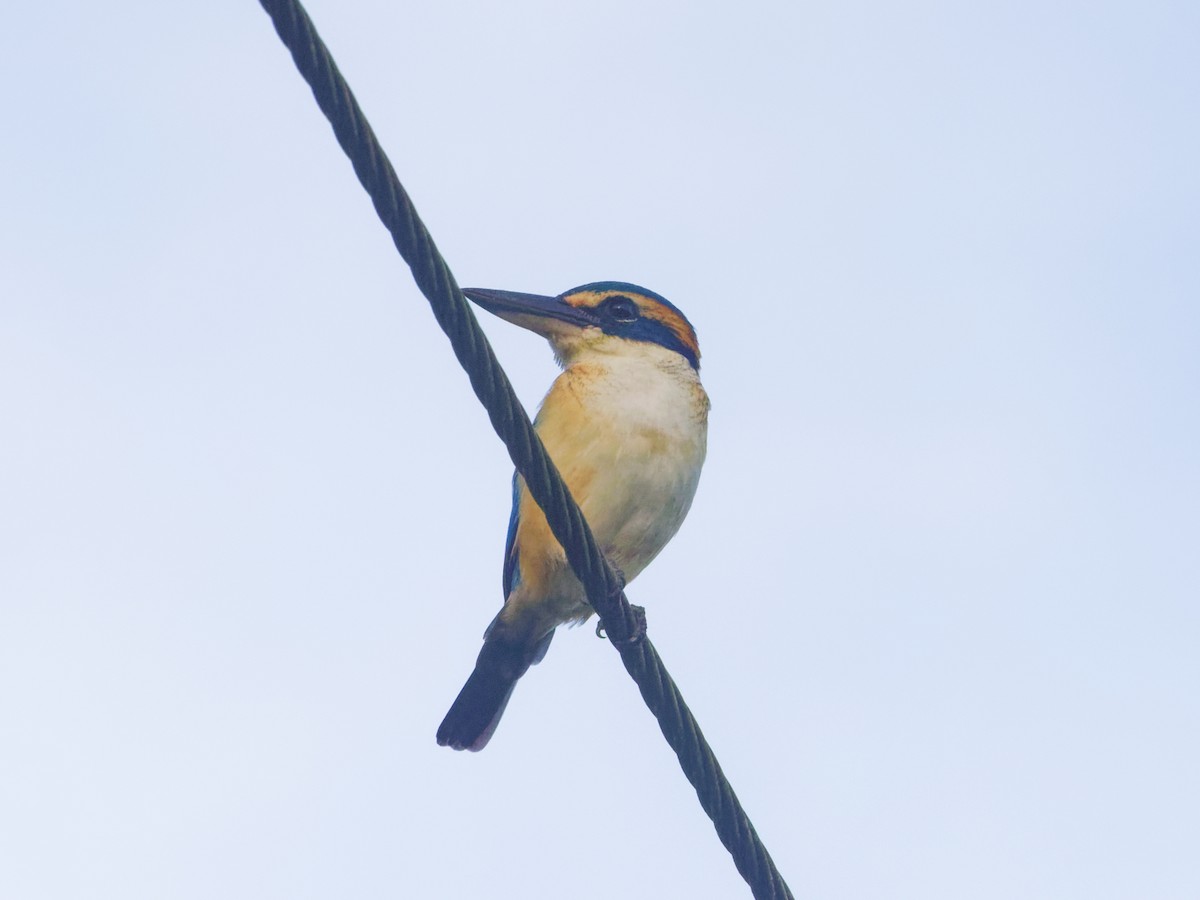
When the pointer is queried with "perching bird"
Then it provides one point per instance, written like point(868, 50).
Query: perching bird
point(626, 424)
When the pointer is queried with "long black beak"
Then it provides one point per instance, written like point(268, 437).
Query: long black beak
point(531, 310)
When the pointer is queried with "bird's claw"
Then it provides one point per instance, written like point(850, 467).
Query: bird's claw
point(614, 594)
point(637, 630)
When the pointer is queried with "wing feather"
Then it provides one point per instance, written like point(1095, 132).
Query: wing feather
point(512, 557)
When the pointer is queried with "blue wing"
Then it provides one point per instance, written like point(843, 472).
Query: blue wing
point(512, 561)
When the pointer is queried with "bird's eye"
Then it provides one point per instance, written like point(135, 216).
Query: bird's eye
point(621, 309)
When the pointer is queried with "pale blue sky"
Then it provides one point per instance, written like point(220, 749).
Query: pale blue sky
point(936, 605)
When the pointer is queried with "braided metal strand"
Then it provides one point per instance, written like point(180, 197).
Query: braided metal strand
point(450, 308)
point(509, 419)
point(700, 765)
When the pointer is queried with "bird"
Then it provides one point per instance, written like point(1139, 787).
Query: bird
point(626, 424)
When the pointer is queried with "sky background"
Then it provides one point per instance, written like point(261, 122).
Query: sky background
point(937, 604)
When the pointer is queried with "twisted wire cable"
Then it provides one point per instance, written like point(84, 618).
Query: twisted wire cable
point(624, 625)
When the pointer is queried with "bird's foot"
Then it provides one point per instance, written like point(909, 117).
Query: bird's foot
point(637, 630)
point(621, 581)
point(637, 615)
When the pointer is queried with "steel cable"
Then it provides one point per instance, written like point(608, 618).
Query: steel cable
point(623, 624)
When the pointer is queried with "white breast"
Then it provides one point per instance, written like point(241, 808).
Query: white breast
point(631, 446)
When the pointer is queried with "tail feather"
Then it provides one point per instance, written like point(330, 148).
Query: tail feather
point(476, 711)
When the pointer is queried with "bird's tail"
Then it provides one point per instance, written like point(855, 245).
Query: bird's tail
point(476, 711)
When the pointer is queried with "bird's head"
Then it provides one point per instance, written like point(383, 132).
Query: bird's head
point(605, 317)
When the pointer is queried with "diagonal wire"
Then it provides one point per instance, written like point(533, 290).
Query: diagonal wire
point(623, 623)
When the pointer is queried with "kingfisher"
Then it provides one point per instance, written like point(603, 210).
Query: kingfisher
point(626, 423)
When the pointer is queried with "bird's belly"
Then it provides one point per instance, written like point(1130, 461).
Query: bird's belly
point(632, 518)
point(632, 460)
point(635, 509)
